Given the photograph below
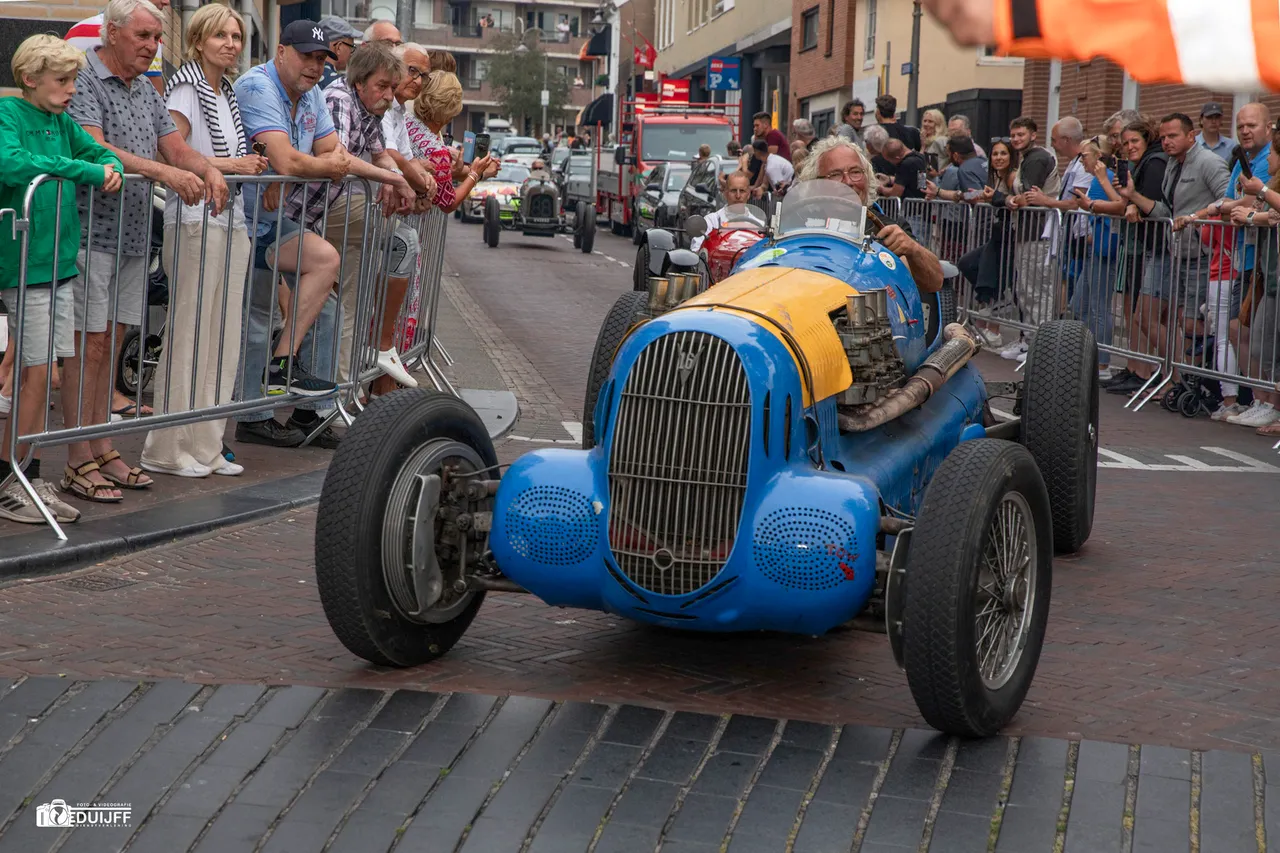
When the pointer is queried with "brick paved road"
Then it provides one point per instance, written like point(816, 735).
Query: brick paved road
point(246, 767)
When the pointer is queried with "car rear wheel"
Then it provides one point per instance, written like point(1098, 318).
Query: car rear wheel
point(640, 274)
point(587, 231)
point(1060, 425)
point(977, 585)
point(625, 313)
point(492, 221)
point(377, 516)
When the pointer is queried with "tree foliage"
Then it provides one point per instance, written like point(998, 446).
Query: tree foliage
point(516, 78)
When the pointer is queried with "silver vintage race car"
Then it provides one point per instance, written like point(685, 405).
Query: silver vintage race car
point(538, 211)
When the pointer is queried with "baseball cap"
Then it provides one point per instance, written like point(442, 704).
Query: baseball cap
point(306, 37)
point(337, 28)
point(1211, 109)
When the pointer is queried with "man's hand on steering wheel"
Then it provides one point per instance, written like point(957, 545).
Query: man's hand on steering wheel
point(896, 240)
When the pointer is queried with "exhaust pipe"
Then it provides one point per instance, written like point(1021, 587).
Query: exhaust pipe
point(657, 293)
point(923, 384)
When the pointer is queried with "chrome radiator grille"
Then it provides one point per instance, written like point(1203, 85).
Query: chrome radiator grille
point(542, 206)
point(678, 465)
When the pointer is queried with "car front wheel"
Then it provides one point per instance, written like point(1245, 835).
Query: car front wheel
point(977, 583)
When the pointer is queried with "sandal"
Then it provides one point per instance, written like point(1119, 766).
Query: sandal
point(1272, 429)
point(132, 481)
point(74, 482)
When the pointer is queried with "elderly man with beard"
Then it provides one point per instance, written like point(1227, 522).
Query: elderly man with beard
point(357, 104)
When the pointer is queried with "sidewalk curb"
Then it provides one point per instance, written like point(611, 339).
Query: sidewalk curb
point(38, 553)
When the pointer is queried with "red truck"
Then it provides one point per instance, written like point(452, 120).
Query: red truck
point(652, 135)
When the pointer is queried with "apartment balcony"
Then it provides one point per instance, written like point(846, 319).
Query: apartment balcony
point(473, 39)
point(479, 92)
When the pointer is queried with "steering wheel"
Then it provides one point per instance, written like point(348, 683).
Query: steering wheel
point(874, 222)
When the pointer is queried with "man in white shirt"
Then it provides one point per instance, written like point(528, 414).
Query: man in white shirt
point(87, 35)
point(394, 130)
point(777, 171)
point(737, 190)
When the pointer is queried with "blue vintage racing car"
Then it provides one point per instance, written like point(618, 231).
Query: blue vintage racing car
point(802, 445)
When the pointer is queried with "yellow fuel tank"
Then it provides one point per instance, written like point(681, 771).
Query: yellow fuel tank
point(799, 301)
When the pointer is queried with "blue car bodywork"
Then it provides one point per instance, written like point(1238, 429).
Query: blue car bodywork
point(803, 557)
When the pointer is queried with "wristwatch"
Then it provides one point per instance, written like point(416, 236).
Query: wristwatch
point(1249, 218)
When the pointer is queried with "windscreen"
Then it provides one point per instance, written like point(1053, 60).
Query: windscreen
point(677, 177)
point(580, 165)
point(664, 142)
point(744, 216)
point(827, 206)
point(514, 174)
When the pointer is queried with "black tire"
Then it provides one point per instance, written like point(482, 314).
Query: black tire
point(1189, 404)
point(492, 221)
point(349, 525)
point(132, 371)
point(640, 274)
point(621, 317)
point(945, 566)
point(637, 233)
point(588, 241)
point(1060, 425)
point(577, 237)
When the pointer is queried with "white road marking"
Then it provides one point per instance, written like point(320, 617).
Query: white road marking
point(574, 428)
point(1186, 463)
point(1121, 461)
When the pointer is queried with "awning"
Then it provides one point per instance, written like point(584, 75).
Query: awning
point(600, 42)
point(598, 111)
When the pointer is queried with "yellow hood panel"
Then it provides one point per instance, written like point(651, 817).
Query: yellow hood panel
point(800, 301)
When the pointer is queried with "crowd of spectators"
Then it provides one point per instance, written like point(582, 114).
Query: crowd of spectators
point(1117, 229)
point(265, 277)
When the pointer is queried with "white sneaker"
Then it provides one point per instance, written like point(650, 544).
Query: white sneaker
point(1224, 411)
point(229, 469)
point(64, 512)
point(193, 470)
point(990, 340)
point(1014, 350)
point(1105, 373)
point(389, 363)
point(16, 505)
point(1257, 415)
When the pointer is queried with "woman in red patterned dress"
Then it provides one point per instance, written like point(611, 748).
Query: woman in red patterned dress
point(439, 102)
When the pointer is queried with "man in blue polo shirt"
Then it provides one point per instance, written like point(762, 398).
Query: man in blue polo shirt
point(284, 112)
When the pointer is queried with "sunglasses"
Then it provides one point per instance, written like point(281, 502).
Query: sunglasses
point(1005, 139)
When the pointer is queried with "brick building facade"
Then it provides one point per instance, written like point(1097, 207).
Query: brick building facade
point(822, 54)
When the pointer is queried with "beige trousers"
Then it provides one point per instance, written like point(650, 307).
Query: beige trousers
point(202, 360)
point(345, 230)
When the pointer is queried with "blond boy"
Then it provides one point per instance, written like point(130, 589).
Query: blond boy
point(37, 137)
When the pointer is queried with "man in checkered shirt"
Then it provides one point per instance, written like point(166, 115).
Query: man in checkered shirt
point(357, 103)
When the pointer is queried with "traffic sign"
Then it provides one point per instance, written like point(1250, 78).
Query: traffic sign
point(906, 68)
point(724, 73)
point(546, 97)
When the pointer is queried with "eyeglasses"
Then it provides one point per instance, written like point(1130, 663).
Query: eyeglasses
point(414, 73)
point(349, 45)
point(853, 173)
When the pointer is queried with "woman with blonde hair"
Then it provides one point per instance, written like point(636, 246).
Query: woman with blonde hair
point(933, 130)
point(206, 257)
point(439, 103)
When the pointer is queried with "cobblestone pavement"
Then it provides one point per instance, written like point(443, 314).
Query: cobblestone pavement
point(247, 767)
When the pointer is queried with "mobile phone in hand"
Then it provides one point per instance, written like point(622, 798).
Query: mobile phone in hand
point(468, 147)
point(1122, 171)
point(1239, 156)
point(481, 149)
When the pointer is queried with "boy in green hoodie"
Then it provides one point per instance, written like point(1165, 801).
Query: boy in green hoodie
point(39, 138)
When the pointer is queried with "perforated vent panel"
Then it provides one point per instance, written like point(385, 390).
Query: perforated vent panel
point(551, 525)
point(809, 549)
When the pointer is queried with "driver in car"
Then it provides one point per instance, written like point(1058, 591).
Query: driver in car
point(737, 191)
point(538, 171)
point(837, 159)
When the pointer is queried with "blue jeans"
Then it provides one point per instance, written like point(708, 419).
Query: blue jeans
point(315, 353)
point(1092, 298)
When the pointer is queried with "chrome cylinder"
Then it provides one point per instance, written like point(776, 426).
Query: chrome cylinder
point(856, 306)
point(658, 289)
point(675, 291)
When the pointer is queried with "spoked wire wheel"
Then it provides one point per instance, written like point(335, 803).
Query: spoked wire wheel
point(1006, 588)
point(414, 501)
point(977, 582)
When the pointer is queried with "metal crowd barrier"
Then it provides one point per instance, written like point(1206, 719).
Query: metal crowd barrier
point(211, 310)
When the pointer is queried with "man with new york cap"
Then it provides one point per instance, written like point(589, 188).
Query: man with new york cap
point(342, 41)
point(1210, 136)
